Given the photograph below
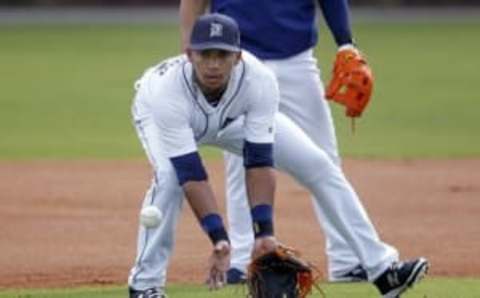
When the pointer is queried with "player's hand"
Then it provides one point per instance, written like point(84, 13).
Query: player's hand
point(264, 245)
point(218, 264)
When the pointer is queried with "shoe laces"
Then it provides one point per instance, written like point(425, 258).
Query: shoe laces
point(393, 277)
point(151, 293)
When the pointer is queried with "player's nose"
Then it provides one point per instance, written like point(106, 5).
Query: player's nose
point(214, 62)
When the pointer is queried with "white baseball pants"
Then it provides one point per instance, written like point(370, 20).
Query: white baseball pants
point(302, 100)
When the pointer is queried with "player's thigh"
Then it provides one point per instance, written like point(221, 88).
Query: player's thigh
point(296, 153)
point(149, 136)
point(302, 100)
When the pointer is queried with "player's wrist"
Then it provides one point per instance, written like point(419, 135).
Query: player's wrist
point(347, 46)
point(213, 226)
point(262, 220)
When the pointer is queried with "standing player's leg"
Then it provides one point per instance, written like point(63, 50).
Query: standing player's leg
point(239, 218)
point(154, 245)
point(296, 154)
point(302, 100)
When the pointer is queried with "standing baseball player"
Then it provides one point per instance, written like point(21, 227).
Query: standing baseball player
point(221, 96)
point(283, 35)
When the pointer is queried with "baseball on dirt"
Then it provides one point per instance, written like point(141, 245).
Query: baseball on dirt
point(150, 216)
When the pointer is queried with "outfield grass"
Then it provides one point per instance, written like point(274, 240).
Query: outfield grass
point(66, 90)
point(429, 288)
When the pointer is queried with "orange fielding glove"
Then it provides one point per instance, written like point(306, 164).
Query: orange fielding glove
point(352, 81)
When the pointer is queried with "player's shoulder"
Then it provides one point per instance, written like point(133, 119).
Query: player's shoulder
point(256, 69)
point(164, 76)
point(256, 72)
point(168, 68)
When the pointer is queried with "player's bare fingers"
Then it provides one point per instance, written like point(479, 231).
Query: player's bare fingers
point(216, 280)
point(264, 245)
point(212, 283)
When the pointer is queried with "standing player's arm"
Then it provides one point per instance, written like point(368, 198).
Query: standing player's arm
point(352, 91)
point(189, 11)
point(337, 17)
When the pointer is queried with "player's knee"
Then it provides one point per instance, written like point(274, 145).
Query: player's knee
point(312, 168)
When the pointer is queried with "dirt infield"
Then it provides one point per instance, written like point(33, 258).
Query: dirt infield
point(72, 223)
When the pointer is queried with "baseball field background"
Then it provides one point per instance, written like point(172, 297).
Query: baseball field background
point(72, 173)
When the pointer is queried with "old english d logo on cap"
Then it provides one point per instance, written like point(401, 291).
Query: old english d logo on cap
point(215, 31)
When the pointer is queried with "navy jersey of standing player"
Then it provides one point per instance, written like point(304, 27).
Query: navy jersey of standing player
point(273, 29)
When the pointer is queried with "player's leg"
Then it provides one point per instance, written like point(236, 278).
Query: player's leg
point(240, 229)
point(238, 216)
point(302, 100)
point(296, 154)
point(154, 245)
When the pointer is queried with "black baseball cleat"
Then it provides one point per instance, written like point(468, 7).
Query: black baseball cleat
point(401, 276)
point(357, 274)
point(236, 276)
point(148, 293)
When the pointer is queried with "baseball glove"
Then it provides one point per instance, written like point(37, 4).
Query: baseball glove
point(281, 274)
point(352, 81)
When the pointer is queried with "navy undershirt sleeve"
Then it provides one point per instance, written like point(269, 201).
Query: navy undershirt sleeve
point(189, 167)
point(256, 155)
point(336, 15)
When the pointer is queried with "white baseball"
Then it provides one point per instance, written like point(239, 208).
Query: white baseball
point(150, 216)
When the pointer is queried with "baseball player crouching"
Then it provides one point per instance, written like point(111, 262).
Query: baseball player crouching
point(222, 96)
point(215, 95)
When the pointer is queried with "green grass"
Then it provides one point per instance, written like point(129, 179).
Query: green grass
point(66, 90)
point(429, 288)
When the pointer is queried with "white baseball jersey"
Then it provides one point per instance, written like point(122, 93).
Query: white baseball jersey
point(186, 119)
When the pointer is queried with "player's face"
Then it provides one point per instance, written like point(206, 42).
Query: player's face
point(213, 67)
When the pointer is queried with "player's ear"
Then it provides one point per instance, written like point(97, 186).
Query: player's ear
point(238, 57)
point(189, 52)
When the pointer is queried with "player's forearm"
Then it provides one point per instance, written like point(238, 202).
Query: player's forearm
point(189, 11)
point(336, 14)
point(260, 189)
point(193, 178)
point(260, 183)
point(201, 198)
point(260, 186)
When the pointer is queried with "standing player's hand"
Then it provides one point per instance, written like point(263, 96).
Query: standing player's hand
point(218, 264)
point(264, 245)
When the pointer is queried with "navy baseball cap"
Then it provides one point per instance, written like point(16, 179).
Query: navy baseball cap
point(215, 31)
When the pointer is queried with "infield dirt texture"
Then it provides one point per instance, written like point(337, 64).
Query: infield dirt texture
point(71, 223)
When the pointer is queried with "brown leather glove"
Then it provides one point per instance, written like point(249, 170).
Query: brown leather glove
point(281, 273)
point(352, 81)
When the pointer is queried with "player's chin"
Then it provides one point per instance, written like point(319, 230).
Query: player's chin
point(214, 84)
